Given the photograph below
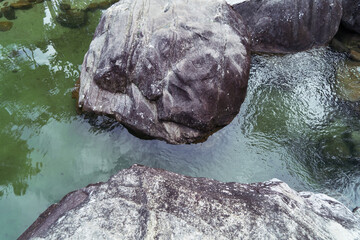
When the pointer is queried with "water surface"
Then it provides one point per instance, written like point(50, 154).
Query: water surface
point(294, 125)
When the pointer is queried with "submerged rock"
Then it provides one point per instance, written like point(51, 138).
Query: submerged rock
point(5, 26)
point(100, 5)
point(175, 70)
point(72, 18)
point(9, 13)
point(22, 4)
point(351, 15)
point(64, 6)
point(147, 203)
point(290, 25)
point(348, 42)
point(348, 81)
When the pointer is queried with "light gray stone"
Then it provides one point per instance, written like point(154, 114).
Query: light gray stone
point(172, 70)
point(147, 203)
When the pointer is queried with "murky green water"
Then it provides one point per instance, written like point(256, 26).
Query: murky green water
point(294, 125)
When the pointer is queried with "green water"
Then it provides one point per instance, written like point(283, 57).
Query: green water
point(292, 125)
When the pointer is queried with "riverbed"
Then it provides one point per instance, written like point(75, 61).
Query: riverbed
point(295, 124)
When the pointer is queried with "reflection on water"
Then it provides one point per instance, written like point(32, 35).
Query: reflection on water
point(295, 124)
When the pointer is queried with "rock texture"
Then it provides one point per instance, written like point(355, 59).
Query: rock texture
point(285, 26)
point(351, 15)
point(173, 70)
point(147, 203)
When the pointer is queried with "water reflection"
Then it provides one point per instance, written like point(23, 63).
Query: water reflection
point(37, 73)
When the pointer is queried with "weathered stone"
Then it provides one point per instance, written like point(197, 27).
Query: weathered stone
point(72, 18)
point(351, 15)
point(5, 26)
point(175, 70)
point(147, 203)
point(290, 25)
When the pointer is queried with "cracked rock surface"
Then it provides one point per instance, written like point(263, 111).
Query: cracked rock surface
point(172, 70)
point(147, 203)
point(286, 26)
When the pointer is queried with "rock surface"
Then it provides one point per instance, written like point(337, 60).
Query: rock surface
point(172, 70)
point(290, 25)
point(147, 203)
point(351, 15)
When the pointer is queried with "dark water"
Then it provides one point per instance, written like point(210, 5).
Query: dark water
point(297, 124)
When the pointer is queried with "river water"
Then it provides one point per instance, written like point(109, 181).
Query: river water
point(295, 125)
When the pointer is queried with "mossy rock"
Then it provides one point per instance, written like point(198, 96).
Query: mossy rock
point(5, 26)
point(100, 5)
point(22, 5)
point(348, 81)
point(92, 7)
point(72, 18)
point(104, 4)
point(64, 6)
point(340, 143)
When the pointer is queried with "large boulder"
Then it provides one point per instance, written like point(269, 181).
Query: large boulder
point(147, 203)
point(173, 70)
point(351, 15)
point(289, 25)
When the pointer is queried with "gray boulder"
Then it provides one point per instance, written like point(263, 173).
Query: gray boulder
point(172, 70)
point(147, 203)
point(286, 26)
point(351, 15)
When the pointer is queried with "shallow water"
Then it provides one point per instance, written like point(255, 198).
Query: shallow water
point(292, 126)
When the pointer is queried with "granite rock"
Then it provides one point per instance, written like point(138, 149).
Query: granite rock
point(172, 70)
point(147, 203)
point(286, 26)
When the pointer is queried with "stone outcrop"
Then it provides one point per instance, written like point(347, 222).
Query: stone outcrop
point(171, 70)
point(290, 25)
point(147, 203)
point(351, 15)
